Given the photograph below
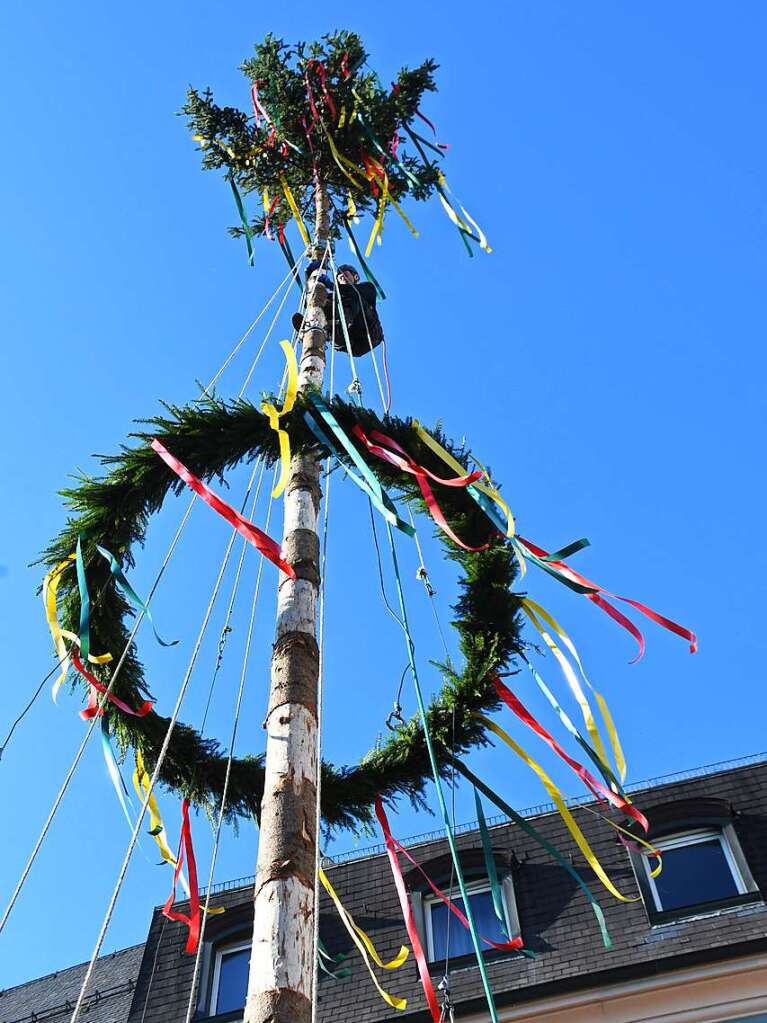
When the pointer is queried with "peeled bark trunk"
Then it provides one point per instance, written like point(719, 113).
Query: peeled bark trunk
point(282, 956)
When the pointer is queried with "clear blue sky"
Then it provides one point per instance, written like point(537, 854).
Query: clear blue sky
point(607, 360)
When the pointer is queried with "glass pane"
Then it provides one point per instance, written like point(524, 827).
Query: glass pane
point(488, 925)
point(233, 980)
point(693, 874)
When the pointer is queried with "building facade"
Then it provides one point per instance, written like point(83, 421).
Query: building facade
point(688, 945)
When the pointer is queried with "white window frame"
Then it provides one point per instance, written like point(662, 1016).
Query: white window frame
point(683, 839)
point(472, 888)
point(222, 951)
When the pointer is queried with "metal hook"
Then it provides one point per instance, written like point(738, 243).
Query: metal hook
point(423, 575)
point(395, 720)
point(355, 387)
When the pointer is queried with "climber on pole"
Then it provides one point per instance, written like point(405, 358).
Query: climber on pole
point(357, 303)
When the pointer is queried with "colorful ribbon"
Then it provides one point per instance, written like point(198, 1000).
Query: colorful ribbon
point(597, 789)
point(527, 827)
point(122, 581)
point(243, 218)
point(274, 416)
point(490, 868)
point(501, 946)
point(58, 635)
point(85, 603)
point(594, 592)
point(535, 612)
point(93, 709)
point(397, 456)
point(295, 210)
point(572, 681)
point(367, 482)
point(142, 784)
point(477, 489)
point(192, 919)
point(263, 543)
point(559, 802)
point(365, 945)
point(114, 771)
point(407, 913)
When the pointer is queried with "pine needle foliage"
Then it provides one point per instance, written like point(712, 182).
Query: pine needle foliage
point(316, 96)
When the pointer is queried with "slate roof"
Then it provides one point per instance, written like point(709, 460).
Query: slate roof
point(557, 921)
point(52, 998)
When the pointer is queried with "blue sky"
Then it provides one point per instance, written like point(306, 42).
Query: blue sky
point(607, 360)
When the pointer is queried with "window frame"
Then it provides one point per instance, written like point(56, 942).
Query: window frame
point(704, 830)
point(474, 887)
point(219, 952)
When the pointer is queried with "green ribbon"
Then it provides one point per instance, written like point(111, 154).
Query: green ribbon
point(527, 827)
point(85, 605)
point(322, 953)
point(461, 230)
point(566, 552)
point(243, 218)
point(125, 586)
point(369, 483)
point(365, 268)
point(492, 873)
point(288, 254)
point(524, 552)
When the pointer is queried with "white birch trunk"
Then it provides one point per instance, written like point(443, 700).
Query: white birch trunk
point(282, 958)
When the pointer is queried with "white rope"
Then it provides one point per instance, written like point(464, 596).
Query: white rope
point(92, 725)
point(113, 678)
point(232, 742)
point(286, 280)
point(160, 760)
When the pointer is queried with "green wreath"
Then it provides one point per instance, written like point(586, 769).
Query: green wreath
point(209, 439)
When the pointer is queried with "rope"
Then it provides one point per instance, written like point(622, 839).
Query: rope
point(92, 724)
point(285, 280)
point(232, 742)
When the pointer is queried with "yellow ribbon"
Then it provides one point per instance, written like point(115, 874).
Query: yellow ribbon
point(558, 800)
point(343, 162)
point(342, 117)
point(274, 416)
point(534, 612)
point(351, 208)
point(655, 853)
point(457, 220)
point(572, 680)
point(50, 594)
point(486, 488)
point(294, 209)
point(141, 783)
point(365, 945)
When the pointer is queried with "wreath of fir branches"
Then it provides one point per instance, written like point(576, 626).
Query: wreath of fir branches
point(210, 438)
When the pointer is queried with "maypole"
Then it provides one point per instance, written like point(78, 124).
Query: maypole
point(327, 132)
point(282, 957)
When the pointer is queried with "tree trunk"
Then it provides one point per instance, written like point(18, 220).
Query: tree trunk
point(282, 956)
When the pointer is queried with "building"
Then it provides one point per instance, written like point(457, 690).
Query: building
point(691, 946)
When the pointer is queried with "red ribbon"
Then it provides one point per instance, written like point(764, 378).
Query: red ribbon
point(397, 456)
point(268, 547)
point(325, 91)
point(345, 65)
point(93, 710)
point(258, 109)
point(501, 946)
point(192, 921)
point(598, 790)
point(407, 912)
point(608, 608)
point(267, 224)
point(442, 145)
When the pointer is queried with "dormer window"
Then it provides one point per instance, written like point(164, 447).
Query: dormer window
point(230, 978)
point(704, 868)
point(448, 938)
point(698, 867)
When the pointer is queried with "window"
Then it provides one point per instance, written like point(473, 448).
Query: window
point(230, 978)
point(698, 867)
point(436, 915)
